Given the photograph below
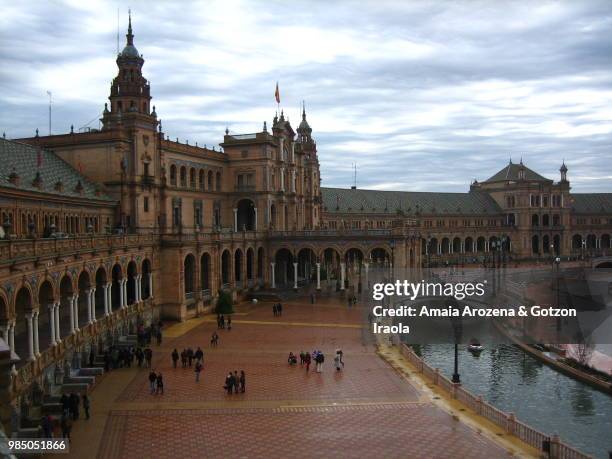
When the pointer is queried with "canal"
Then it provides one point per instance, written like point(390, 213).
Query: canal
point(539, 396)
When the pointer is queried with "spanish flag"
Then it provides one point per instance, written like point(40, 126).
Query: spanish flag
point(277, 94)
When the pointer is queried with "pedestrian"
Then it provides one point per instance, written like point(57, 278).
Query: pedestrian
point(160, 383)
point(65, 401)
point(301, 358)
point(199, 355)
point(242, 381)
point(139, 357)
point(229, 383)
point(198, 369)
point(340, 354)
point(222, 321)
point(229, 323)
point(337, 362)
point(307, 361)
point(279, 309)
point(75, 401)
point(152, 379)
point(46, 426)
point(175, 357)
point(184, 358)
point(86, 405)
point(159, 336)
point(319, 359)
point(190, 356)
point(274, 309)
point(66, 424)
point(214, 339)
point(236, 381)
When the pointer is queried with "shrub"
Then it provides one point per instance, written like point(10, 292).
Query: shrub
point(225, 304)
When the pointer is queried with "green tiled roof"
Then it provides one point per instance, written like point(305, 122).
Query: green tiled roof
point(592, 203)
point(511, 173)
point(23, 160)
point(341, 200)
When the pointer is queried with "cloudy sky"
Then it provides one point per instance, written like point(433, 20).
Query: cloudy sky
point(421, 95)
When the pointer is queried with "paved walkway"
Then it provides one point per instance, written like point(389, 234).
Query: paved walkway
point(367, 410)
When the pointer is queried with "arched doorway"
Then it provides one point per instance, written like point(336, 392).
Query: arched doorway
point(273, 217)
point(225, 269)
point(45, 305)
point(260, 264)
point(535, 245)
point(238, 267)
point(331, 267)
point(250, 255)
point(66, 293)
point(189, 276)
point(84, 286)
point(245, 215)
point(456, 245)
point(591, 242)
point(307, 268)
point(445, 246)
point(557, 244)
point(480, 244)
point(605, 241)
point(205, 273)
point(353, 259)
point(468, 245)
point(101, 282)
point(23, 306)
point(116, 287)
point(132, 272)
point(576, 242)
point(284, 268)
point(546, 244)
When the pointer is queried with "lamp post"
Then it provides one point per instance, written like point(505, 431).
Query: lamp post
point(557, 263)
point(457, 331)
point(392, 258)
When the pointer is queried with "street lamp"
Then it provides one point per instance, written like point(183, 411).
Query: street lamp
point(557, 263)
point(392, 258)
point(457, 331)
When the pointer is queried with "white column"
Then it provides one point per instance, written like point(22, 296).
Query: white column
point(273, 280)
point(342, 274)
point(11, 338)
point(282, 177)
point(71, 306)
point(29, 317)
point(51, 307)
point(150, 285)
point(139, 288)
point(56, 310)
point(36, 342)
point(367, 278)
point(106, 292)
point(93, 304)
point(318, 276)
point(121, 293)
point(295, 275)
point(255, 209)
point(88, 299)
point(235, 220)
point(75, 305)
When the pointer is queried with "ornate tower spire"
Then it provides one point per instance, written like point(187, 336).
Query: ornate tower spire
point(130, 35)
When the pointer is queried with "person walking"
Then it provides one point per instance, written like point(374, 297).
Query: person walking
point(175, 357)
point(279, 309)
point(152, 379)
point(190, 356)
point(222, 321)
point(198, 369)
point(199, 355)
point(229, 383)
point(184, 358)
point(242, 381)
point(340, 355)
point(86, 405)
point(47, 428)
point(229, 323)
point(66, 424)
point(159, 336)
point(337, 362)
point(159, 381)
point(236, 381)
point(214, 339)
point(139, 357)
point(319, 359)
point(274, 309)
point(307, 361)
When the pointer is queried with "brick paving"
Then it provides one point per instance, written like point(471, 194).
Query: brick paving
point(366, 410)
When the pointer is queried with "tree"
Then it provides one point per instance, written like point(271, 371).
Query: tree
point(225, 304)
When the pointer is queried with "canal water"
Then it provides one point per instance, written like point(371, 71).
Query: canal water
point(539, 396)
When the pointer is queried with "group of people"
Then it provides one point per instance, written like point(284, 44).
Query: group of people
point(318, 357)
point(145, 334)
point(277, 309)
point(235, 382)
point(123, 357)
point(222, 322)
point(188, 357)
point(156, 383)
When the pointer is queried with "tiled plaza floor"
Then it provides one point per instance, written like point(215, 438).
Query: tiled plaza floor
point(367, 410)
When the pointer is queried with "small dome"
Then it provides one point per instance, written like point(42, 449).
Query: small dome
point(130, 51)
